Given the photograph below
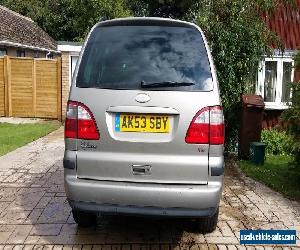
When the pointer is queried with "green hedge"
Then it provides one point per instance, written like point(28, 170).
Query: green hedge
point(277, 142)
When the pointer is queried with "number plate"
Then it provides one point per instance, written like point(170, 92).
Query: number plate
point(144, 123)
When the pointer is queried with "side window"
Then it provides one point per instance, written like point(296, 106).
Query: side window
point(3, 52)
point(20, 53)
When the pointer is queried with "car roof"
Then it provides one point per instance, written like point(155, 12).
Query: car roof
point(157, 21)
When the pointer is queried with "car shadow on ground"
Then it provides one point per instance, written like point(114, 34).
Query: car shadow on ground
point(148, 230)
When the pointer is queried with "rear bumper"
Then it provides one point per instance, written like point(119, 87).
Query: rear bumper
point(142, 198)
point(148, 211)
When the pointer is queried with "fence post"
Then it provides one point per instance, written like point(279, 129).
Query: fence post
point(59, 89)
point(34, 86)
point(10, 113)
point(7, 86)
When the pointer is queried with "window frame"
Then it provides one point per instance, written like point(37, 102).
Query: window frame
point(260, 85)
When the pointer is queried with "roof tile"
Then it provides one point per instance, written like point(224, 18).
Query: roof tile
point(16, 28)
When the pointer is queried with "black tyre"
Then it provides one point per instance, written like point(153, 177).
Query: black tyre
point(208, 224)
point(84, 219)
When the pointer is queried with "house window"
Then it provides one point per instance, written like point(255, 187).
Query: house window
point(274, 78)
point(3, 52)
point(20, 53)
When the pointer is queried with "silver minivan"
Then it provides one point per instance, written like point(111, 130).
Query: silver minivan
point(144, 129)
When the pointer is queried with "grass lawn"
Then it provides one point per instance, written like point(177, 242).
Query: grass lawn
point(13, 136)
point(276, 173)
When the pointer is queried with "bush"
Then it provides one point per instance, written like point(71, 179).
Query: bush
point(277, 142)
point(292, 117)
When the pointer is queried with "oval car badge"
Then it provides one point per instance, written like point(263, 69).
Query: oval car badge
point(142, 98)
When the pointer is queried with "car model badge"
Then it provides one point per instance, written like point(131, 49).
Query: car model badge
point(142, 98)
point(87, 145)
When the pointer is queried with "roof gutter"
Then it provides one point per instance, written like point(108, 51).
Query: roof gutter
point(19, 45)
point(69, 48)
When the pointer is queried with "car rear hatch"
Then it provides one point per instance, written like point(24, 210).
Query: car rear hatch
point(129, 84)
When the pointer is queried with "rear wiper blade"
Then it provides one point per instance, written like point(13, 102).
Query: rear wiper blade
point(165, 84)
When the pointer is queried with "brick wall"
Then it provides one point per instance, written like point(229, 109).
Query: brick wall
point(65, 81)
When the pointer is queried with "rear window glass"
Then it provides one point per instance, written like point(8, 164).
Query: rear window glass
point(125, 57)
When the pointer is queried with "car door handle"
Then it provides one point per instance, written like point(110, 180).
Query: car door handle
point(141, 169)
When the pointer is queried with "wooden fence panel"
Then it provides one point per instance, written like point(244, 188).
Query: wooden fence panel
point(46, 88)
point(2, 88)
point(30, 87)
point(20, 93)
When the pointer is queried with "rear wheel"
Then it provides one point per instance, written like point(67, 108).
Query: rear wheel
point(208, 224)
point(84, 219)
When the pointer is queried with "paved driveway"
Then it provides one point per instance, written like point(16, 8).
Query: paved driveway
point(34, 212)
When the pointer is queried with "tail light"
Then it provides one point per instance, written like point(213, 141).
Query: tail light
point(80, 122)
point(207, 127)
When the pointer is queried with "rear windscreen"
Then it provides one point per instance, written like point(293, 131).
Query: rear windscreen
point(125, 57)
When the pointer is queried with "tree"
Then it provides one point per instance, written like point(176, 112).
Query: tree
point(68, 19)
point(161, 8)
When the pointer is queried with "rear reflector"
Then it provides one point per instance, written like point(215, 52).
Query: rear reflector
point(207, 127)
point(80, 122)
